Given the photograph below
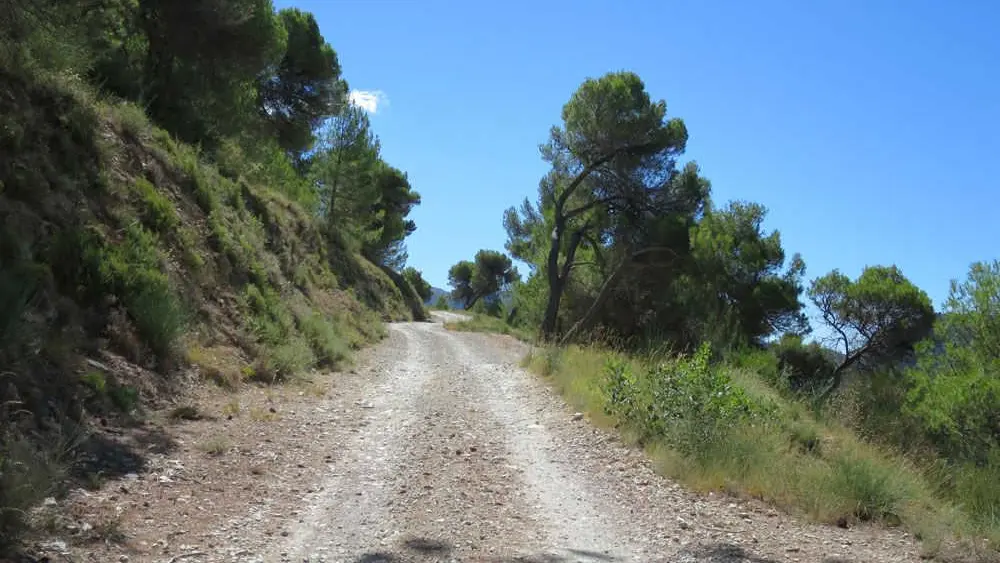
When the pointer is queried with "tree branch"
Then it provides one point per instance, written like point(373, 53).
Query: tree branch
point(605, 291)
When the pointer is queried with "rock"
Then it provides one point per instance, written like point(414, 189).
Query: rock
point(58, 546)
point(577, 416)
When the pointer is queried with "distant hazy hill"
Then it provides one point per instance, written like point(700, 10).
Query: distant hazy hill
point(506, 297)
point(437, 292)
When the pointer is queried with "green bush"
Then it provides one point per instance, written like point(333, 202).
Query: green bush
point(158, 213)
point(684, 400)
point(329, 347)
point(975, 487)
point(805, 367)
point(132, 270)
point(868, 489)
point(289, 359)
point(267, 318)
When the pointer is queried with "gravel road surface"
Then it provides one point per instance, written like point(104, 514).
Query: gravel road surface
point(451, 452)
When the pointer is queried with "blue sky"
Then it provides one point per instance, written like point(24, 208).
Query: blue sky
point(870, 129)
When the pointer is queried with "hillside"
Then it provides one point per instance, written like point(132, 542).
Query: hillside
point(130, 268)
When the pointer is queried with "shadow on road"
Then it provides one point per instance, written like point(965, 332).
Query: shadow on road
point(415, 550)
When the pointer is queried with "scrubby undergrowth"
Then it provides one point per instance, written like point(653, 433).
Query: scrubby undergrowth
point(721, 428)
point(129, 265)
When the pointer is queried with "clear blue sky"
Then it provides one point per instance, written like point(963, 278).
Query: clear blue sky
point(870, 129)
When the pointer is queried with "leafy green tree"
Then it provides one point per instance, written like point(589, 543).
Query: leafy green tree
point(420, 285)
point(614, 149)
point(390, 226)
point(742, 270)
point(494, 272)
point(953, 391)
point(490, 273)
point(304, 87)
point(345, 169)
point(875, 319)
point(442, 303)
point(202, 61)
point(973, 312)
point(460, 279)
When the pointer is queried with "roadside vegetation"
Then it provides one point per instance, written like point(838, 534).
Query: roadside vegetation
point(682, 322)
point(185, 190)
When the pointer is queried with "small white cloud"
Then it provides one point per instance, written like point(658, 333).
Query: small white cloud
point(369, 100)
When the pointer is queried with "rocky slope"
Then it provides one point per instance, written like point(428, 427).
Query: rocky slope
point(131, 268)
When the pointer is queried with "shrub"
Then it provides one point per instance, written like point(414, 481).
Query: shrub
point(805, 367)
point(868, 489)
point(329, 347)
point(132, 271)
point(684, 400)
point(976, 489)
point(158, 213)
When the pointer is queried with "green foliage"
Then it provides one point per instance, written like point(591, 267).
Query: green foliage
point(417, 281)
point(975, 485)
point(158, 212)
point(304, 86)
point(442, 303)
point(132, 270)
point(869, 490)
point(460, 279)
point(973, 317)
point(685, 400)
point(491, 273)
point(328, 345)
point(805, 367)
point(202, 61)
point(953, 391)
point(877, 319)
point(360, 196)
point(716, 428)
point(740, 266)
point(615, 152)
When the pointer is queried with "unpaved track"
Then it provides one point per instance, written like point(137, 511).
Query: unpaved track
point(453, 453)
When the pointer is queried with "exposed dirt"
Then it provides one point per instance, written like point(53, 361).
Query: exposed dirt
point(437, 448)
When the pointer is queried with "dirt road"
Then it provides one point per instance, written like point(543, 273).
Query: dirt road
point(462, 456)
point(440, 448)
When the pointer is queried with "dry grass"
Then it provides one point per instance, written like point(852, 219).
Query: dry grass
point(215, 445)
point(478, 322)
point(811, 467)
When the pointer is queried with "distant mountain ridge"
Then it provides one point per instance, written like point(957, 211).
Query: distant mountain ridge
point(437, 293)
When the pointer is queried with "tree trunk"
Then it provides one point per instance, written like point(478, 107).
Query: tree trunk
point(555, 283)
point(605, 292)
point(838, 374)
point(602, 297)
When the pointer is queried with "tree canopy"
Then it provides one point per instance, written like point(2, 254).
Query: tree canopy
point(875, 319)
point(490, 273)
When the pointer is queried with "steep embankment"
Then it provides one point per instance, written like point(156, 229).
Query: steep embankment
point(129, 267)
